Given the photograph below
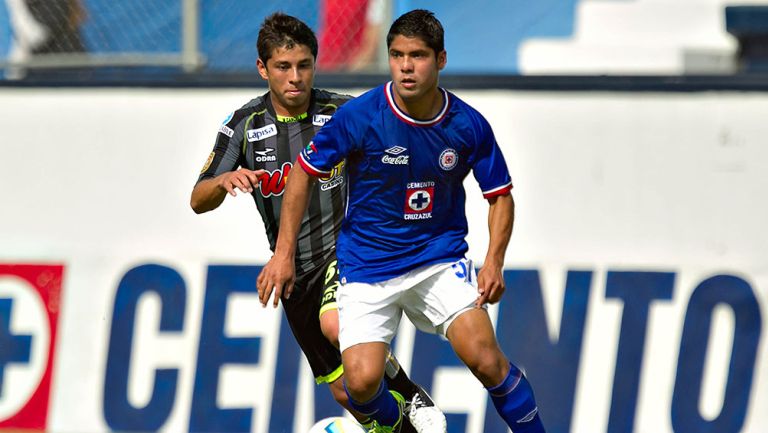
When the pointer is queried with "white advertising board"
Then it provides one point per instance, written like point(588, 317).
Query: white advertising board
point(637, 273)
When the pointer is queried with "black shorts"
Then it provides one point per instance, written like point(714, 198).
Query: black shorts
point(313, 291)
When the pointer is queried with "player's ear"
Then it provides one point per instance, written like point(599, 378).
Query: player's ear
point(262, 69)
point(442, 59)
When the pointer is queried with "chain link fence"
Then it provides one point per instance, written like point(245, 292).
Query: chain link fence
point(219, 36)
point(192, 39)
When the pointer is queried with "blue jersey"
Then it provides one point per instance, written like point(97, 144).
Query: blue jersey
point(406, 196)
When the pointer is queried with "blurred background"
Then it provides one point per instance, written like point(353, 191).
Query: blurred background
point(176, 39)
point(637, 275)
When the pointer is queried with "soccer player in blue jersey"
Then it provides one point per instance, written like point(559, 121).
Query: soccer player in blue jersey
point(408, 146)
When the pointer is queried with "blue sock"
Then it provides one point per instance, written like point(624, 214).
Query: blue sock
point(382, 407)
point(513, 399)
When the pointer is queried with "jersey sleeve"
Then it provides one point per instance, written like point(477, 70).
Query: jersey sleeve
point(227, 152)
point(331, 145)
point(490, 168)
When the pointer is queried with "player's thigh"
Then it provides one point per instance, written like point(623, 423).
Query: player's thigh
point(302, 310)
point(329, 324)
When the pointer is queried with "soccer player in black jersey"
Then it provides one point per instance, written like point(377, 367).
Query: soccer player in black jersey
point(254, 153)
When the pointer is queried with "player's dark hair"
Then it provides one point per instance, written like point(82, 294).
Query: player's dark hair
point(419, 23)
point(280, 30)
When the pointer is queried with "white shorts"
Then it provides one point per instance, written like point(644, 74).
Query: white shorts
point(431, 296)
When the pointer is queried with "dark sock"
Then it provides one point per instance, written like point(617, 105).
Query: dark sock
point(397, 379)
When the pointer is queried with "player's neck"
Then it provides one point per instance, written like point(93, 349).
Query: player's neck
point(289, 112)
point(424, 107)
point(293, 113)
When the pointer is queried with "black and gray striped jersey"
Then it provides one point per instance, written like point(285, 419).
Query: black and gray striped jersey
point(255, 137)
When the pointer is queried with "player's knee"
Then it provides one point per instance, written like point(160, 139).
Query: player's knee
point(361, 383)
point(489, 366)
point(361, 389)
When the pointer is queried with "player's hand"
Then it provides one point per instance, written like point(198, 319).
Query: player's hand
point(277, 276)
point(243, 179)
point(490, 284)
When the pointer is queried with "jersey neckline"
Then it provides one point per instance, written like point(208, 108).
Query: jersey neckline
point(291, 119)
point(400, 114)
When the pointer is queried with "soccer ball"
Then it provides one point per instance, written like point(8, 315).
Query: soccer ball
point(336, 424)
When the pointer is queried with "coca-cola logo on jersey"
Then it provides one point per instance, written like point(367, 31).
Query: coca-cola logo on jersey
point(395, 160)
point(273, 182)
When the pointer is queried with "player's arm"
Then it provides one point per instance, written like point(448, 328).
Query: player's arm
point(501, 218)
point(209, 193)
point(279, 273)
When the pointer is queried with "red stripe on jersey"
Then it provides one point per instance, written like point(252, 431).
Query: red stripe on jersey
point(502, 190)
point(312, 171)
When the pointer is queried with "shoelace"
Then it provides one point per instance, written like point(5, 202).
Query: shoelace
point(418, 402)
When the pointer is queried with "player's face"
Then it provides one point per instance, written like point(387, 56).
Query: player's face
point(414, 67)
point(289, 73)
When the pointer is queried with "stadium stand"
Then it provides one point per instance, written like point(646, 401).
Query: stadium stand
point(639, 37)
